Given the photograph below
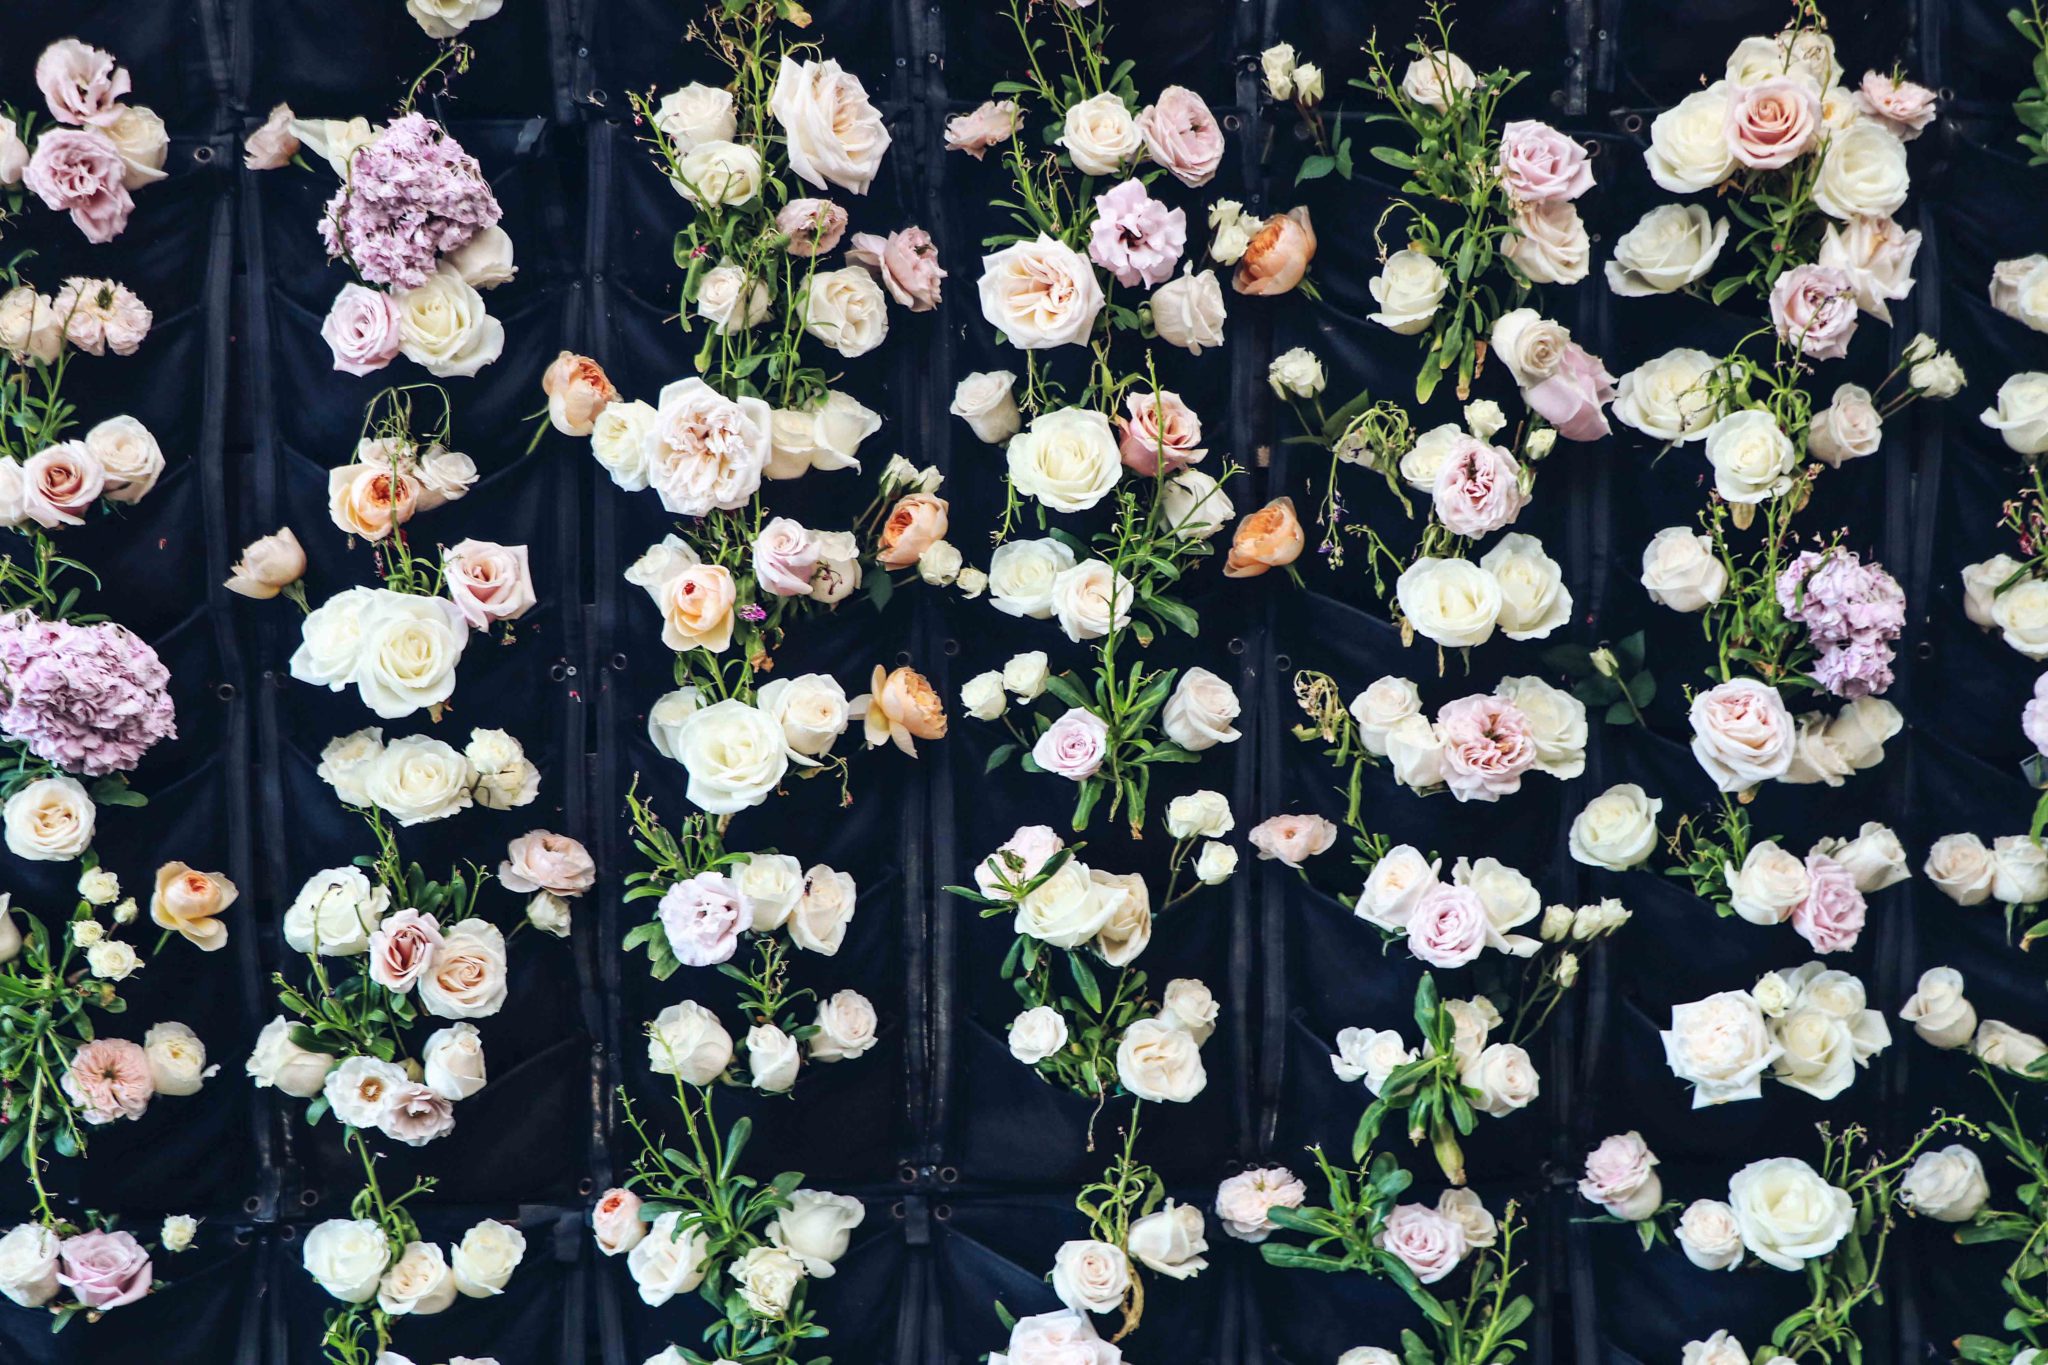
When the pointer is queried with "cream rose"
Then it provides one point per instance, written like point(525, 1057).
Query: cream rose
point(686, 1041)
point(833, 133)
point(1408, 290)
point(1688, 151)
point(2021, 413)
point(444, 328)
point(1533, 599)
point(846, 310)
point(1067, 459)
point(719, 174)
point(1666, 398)
point(1669, 248)
point(1156, 1061)
point(49, 820)
point(1040, 293)
point(987, 402)
point(1947, 1185)
point(1720, 1046)
point(1099, 135)
point(734, 753)
point(1453, 602)
point(1787, 1214)
point(1616, 829)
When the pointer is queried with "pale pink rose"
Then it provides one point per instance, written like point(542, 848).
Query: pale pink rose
point(79, 171)
point(906, 262)
point(1814, 308)
point(415, 1114)
point(1772, 123)
point(1424, 1240)
point(785, 556)
point(487, 581)
point(974, 133)
point(1292, 839)
point(541, 860)
point(61, 484)
point(1901, 106)
point(1539, 164)
point(1182, 135)
point(814, 225)
point(1478, 489)
point(616, 1221)
point(104, 1269)
point(1074, 746)
point(1487, 746)
point(272, 146)
point(1571, 399)
point(703, 917)
point(80, 83)
point(109, 1079)
point(1621, 1178)
point(1831, 916)
point(1159, 429)
point(2034, 718)
point(1742, 734)
point(402, 948)
point(1033, 845)
point(13, 153)
point(1135, 237)
point(1448, 926)
point(361, 329)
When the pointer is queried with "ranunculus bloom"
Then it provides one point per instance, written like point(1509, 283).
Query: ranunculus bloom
point(1269, 538)
point(1135, 237)
point(1278, 256)
point(1814, 308)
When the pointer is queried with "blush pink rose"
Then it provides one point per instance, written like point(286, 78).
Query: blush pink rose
point(1621, 1178)
point(814, 225)
point(361, 329)
point(1903, 107)
point(541, 860)
point(974, 133)
point(104, 1269)
point(1487, 745)
point(1772, 123)
point(1159, 428)
point(1292, 839)
point(1074, 746)
point(1742, 734)
point(702, 918)
point(1448, 926)
point(1424, 1240)
point(1182, 135)
point(906, 262)
point(109, 1079)
point(1573, 397)
point(1539, 164)
point(488, 582)
point(785, 556)
point(1479, 489)
point(1135, 237)
point(415, 1114)
point(1831, 916)
point(402, 949)
point(616, 1221)
point(1033, 846)
point(62, 483)
point(1814, 307)
point(82, 84)
point(79, 171)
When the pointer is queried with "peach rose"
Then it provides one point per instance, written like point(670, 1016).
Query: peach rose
point(488, 582)
point(371, 500)
point(696, 608)
point(917, 520)
point(190, 902)
point(901, 707)
point(577, 391)
point(1278, 256)
point(1269, 538)
point(268, 566)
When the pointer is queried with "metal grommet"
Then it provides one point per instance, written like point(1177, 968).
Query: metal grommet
point(943, 1212)
point(896, 1210)
point(225, 691)
point(585, 1186)
point(1924, 650)
point(251, 1204)
point(202, 154)
point(1592, 149)
point(1230, 122)
point(1236, 646)
point(903, 658)
point(308, 1198)
point(288, 1233)
point(569, 671)
point(1283, 663)
point(598, 96)
point(949, 1174)
point(1632, 123)
point(950, 649)
point(906, 1174)
point(557, 672)
point(618, 663)
point(243, 1237)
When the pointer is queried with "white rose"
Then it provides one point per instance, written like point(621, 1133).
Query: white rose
point(1938, 1010)
point(1158, 1062)
point(440, 19)
point(1194, 504)
point(130, 456)
point(1024, 675)
point(768, 1277)
point(417, 779)
point(1037, 1034)
point(1297, 372)
point(1688, 150)
point(1189, 1005)
point(1769, 886)
point(2021, 615)
point(619, 440)
point(1617, 829)
point(1669, 247)
point(1067, 459)
point(1742, 734)
point(28, 1264)
point(686, 1041)
point(1721, 1046)
point(665, 719)
point(1875, 857)
point(833, 133)
point(1091, 599)
point(1068, 908)
point(812, 710)
point(2019, 870)
point(444, 327)
point(846, 310)
point(1215, 863)
point(1188, 310)
point(1753, 458)
point(1408, 289)
point(1170, 1241)
point(668, 1261)
point(1708, 1235)
point(486, 1257)
point(816, 1229)
point(408, 652)
point(1199, 815)
point(1530, 345)
point(1722, 1348)
point(453, 1061)
point(825, 437)
point(1939, 376)
point(696, 114)
point(1505, 1077)
point(982, 696)
point(730, 300)
point(818, 924)
point(735, 755)
point(1381, 706)
point(110, 960)
point(1787, 1214)
point(347, 1256)
point(1980, 582)
point(177, 1059)
point(1549, 243)
point(1848, 428)
point(1863, 174)
point(278, 1061)
point(1040, 293)
point(772, 1058)
point(846, 1024)
point(1100, 135)
point(1681, 571)
point(1198, 715)
point(2021, 413)
point(1533, 599)
point(718, 173)
point(1370, 1055)
point(1453, 602)
point(1091, 1277)
point(987, 402)
point(49, 820)
point(485, 260)
point(2002, 1045)
point(1436, 78)
point(1415, 753)
point(1021, 575)
point(1277, 63)
point(1819, 1052)
point(1666, 398)
point(1947, 1185)
point(1397, 882)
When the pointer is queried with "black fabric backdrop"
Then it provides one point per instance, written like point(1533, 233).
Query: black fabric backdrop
point(967, 1163)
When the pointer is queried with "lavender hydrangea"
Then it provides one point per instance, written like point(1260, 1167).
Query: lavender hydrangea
point(413, 195)
point(90, 699)
point(1852, 611)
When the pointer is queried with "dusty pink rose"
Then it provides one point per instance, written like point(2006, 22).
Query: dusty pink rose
point(1448, 926)
point(1292, 839)
point(1621, 1178)
point(487, 581)
point(402, 948)
point(1074, 746)
point(361, 329)
point(974, 133)
point(1772, 123)
point(1159, 429)
point(1831, 916)
point(1478, 489)
point(702, 918)
point(1903, 107)
point(1182, 135)
point(1814, 307)
point(1539, 164)
point(1135, 237)
point(109, 1079)
point(80, 83)
point(616, 1221)
point(104, 1269)
point(415, 1114)
point(814, 225)
point(1487, 746)
point(79, 171)
point(785, 557)
point(272, 146)
point(541, 860)
point(1426, 1241)
point(61, 483)
point(906, 262)
point(1033, 846)
point(1572, 398)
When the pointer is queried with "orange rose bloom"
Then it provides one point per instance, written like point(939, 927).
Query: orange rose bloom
point(189, 901)
point(901, 708)
point(371, 500)
point(1278, 256)
point(1269, 538)
point(577, 391)
point(914, 524)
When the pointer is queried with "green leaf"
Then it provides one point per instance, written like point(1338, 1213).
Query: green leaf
point(998, 758)
point(1315, 168)
point(1084, 981)
point(1296, 1258)
point(1179, 615)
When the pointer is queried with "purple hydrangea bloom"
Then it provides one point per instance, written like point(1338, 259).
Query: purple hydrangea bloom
point(90, 699)
point(1852, 611)
point(413, 195)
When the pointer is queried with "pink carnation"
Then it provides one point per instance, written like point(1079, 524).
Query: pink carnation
point(82, 84)
point(79, 171)
point(412, 196)
point(1831, 916)
point(109, 1079)
point(1814, 308)
point(1487, 746)
point(89, 699)
point(1135, 237)
point(1478, 489)
point(1902, 106)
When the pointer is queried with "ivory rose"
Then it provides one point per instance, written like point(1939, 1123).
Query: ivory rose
point(1742, 734)
point(833, 134)
point(1453, 602)
point(1039, 294)
point(1099, 135)
point(1188, 311)
point(1408, 290)
point(1066, 458)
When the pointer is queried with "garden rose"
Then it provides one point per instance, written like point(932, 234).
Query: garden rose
point(1040, 293)
point(834, 135)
